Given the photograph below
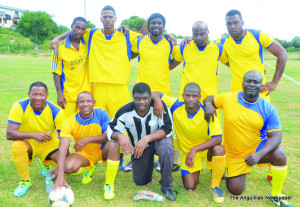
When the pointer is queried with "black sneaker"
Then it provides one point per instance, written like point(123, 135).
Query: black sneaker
point(128, 167)
point(157, 166)
point(280, 201)
point(170, 194)
point(121, 164)
point(175, 167)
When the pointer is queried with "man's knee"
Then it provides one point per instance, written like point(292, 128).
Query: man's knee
point(278, 156)
point(190, 185)
point(218, 150)
point(19, 148)
point(165, 147)
point(140, 180)
point(236, 185)
point(71, 167)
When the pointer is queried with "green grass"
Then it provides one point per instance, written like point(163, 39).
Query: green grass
point(18, 72)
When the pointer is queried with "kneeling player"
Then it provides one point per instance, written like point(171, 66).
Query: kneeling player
point(247, 120)
point(197, 139)
point(88, 128)
point(31, 125)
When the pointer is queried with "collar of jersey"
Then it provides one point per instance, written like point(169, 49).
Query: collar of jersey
point(39, 112)
point(108, 37)
point(240, 41)
point(191, 116)
point(68, 42)
point(249, 102)
point(203, 47)
point(85, 119)
point(156, 42)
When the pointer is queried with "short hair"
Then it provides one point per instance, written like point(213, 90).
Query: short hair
point(234, 12)
point(38, 84)
point(141, 88)
point(157, 15)
point(192, 85)
point(78, 19)
point(85, 92)
point(108, 7)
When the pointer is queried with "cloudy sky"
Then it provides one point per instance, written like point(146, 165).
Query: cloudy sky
point(276, 17)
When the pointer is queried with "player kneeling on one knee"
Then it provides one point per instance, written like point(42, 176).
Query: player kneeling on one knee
point(148, 135)
point(197, 139)
point(88, 127)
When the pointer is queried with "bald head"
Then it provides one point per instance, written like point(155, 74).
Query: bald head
point(252, 84)
point(253, 73)
point(200, 33)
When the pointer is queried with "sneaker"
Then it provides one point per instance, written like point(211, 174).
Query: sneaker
point(109, 192)
point(175, 167)
point(157, 166)
point(22, 188)
point(87, 176)
point(170, 194)
point(217, 195)
point(279, 201)
point(45, 169)
point(128, 167)
point(121, 164)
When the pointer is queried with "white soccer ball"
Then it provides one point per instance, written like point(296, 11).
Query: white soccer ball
point(63, 197)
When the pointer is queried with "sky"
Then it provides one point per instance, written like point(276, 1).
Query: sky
point(278, 18)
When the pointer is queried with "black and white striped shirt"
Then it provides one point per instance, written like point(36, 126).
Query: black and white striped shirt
point(136, 126)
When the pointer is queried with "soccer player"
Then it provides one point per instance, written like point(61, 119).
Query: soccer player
point(88, 128)
point(200, 58)
point(148, 135)
point(155, 52)
point(247, 120)
point(197, 139)
point(244, 49)
point(32, 124)
point(70, 67)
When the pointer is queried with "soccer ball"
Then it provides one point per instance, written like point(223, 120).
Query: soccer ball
point(63, 197)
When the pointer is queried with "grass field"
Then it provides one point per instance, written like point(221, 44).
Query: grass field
point(18, 72)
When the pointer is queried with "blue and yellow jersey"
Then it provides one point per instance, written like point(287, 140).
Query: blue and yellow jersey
point(245, 123)
point(191, 129)
point(79, 127)
point(154, 62)
point(109, 56)
point(49, 119)
point(200, 66)
point(72, 65)
point(245, 55)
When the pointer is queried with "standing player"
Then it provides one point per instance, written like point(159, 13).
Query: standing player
point(247, 120)
point(32, 124)
point(244, 49)
point(200, 58)
point(196, 138)
point(88, 127)
point(148, 135)
point(70, 67)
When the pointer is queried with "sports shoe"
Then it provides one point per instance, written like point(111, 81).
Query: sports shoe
point(175, 167)
point(109, 192)
point(128, 167)
point(22, 188)
point(170, 194)
point(87, 176)
point(157, 165)
point(45, 169)
point(217, 195)
point(280, 201)
point(121, 164)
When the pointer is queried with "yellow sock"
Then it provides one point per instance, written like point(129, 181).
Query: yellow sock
point(278, 178)
point(111, 171)
point(80, 171)
point(218, 168)
point(208, 164)
point(20, 157)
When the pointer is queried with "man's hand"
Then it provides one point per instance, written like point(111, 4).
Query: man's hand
point(252, 159)
point(54, 173)
point(125, 146)
point(124, 28)
point(42, 137)
point(271, 86)
point(61, 100)
point(186, 41)
point(54, 43)
point(80, 144)
point(60, 182)
point(172, 39)
point(189, 161)
point(158, 109)
point(140, 147)
point(209, 111)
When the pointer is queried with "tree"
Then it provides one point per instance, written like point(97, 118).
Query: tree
point(62, 29)
point(37, 26)
point(134, 23)
point(90, 25)
point(296, 42)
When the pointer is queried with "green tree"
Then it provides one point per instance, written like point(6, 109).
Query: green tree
point(62, 29)
point(296, 42)
point(90, 25)
point(37, 26)
point(134, 23)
